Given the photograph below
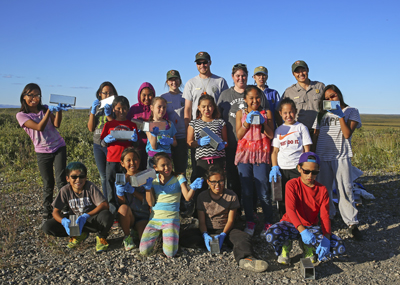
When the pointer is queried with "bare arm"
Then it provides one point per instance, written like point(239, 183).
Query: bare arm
point(274, 156)
point(231, 221)
point(240, 130)
point(152, 140)
point(57, 215)
point(190, 138)
point(187, 194)
point(58, 119)
point(306, 148)
point(269, 126)
point(202, 221)
point(347, 129)
point(41, 125)
point(91, 123)
point(150, 197)
point(187, 112)
point(175, 143)
point(99, 208)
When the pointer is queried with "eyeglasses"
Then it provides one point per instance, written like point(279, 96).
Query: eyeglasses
point(239, 65)
point(202, 62)
point(306, 172)
point(107, 93)
point(74, 177)
point(213, 183)
point(31, 96)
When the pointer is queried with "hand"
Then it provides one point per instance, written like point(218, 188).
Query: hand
point(107, 110)
point(274, 173)
point(197, 184)
point(109, 139)
point(308, 237)
point(120, 189)
point(166, 141)
point(248, 117)
point(81, 220)
point(65, 222)
point(203, 141)
point(54, 108)
point(94, 105)
point(134, 136)
point(338, 112)
point(155, 131)
point(221, 238)
point(323, 250)
point(149, 183)
point(129, 188)
point(221, 146)
point(64, 107)
point(207, 240)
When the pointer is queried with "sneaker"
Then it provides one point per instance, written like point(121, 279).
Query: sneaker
point(355, 232)
point(250, 228)
point(308, 252)
point(75, 241)
point(283, 258)
point(101, 244)
point(264, 231)
point(252, 264)
point(115, 225)
point(128, 243)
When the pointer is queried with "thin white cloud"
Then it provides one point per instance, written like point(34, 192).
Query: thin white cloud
point(80, 87)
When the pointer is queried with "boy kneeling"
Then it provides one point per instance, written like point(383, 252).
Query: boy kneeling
point(305, 199)
point(85, 200)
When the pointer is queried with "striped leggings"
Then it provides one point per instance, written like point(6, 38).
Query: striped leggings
point(170, 233)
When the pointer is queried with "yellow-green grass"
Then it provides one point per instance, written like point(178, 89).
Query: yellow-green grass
point(380, 121)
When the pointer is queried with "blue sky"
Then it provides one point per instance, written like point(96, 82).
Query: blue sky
point(71, 47)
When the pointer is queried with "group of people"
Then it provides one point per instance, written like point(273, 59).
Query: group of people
point(261, 138)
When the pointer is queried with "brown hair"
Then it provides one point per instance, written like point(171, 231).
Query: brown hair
point(215, 114)
point(153, 102)
point(28, 88)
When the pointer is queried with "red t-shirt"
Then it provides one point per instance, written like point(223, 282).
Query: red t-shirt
point(303, 204)
point(115, 149)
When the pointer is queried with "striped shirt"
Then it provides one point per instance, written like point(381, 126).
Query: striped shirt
point(215, 126)
point(331, 143)
point(167, 198)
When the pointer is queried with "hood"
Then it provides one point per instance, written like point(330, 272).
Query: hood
point(145, 85)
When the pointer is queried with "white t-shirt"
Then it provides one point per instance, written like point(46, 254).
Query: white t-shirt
point(331, 143)
point(290, 140)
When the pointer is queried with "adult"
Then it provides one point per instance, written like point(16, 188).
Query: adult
point(305, 94)
point(204, 83)
point(271, 95)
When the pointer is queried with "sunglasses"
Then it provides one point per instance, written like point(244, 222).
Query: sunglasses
point(74, 177)
point(213, 183)
point(239, 65)
point(202, 62)
point(306, 172)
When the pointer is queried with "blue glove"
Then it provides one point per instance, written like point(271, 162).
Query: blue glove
point(338, 112)
point(248, 118)
point(107, 110)
point(149, 183)
point(65, 222)
point(197, 184)
point(129, 188)
point(54, 108)
point(64, 107)
point(274, 173)
point(120, 189)
point(109, 139)
point(81, 220)
point(207, 240)
point(308, 237)
point(221, 238)
point(155, 131)
point(221, 146)
point(94, 105)
point(166, 141)
point(323, 250)
point(203, 141)
point(134, 136)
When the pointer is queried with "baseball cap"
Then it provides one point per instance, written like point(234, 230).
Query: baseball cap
point(260, 69)
point(202, 55)
point(299, 63)
point(173, 73)
point(309, 157)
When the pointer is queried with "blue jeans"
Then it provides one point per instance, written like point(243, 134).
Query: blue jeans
point(100, 156)
point(255, 176)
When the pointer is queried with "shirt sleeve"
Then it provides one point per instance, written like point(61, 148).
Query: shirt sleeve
point(355, 116)
point(315, 125)
point(22, 118)
point(290, 201)
point(224, 85)
point(59, 201)
point(187, 91)
point(97, 196)
point(181, 179)
point(324, 212)
point(173, 129)
point(305, 135)
point(105, 131)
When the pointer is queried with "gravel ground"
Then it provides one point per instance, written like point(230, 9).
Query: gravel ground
point(30, 257)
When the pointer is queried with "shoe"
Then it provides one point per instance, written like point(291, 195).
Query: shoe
point(128, 243)
point(264, 231)
point(283, 258)
point(75, 241)
point(115, 225)
point(252, 264)
point(355, 232)
point(101, 244)
point(250, 228)
point(308, 252)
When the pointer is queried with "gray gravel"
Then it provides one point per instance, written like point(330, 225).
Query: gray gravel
point(30, 257)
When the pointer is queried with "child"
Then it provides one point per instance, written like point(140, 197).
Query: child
point(252, 156)
point(175, 110)
point(40, 124)
point(97, 120)
point(115, 147)
point(134, 210)
point(334, 131)
point(159, 141)
point(167, 189)
point(305, 200)
point(216, 209)
point(207, 116)
point(85, 200)
point(290, 141)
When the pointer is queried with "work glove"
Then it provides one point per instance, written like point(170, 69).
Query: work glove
point(338, 112)
point(155, 132)
point(197, 184)
point(109, 139)
point(81, 220)
point(220, 238)
point(323, 250)
point(120, 189)
point(94, 105)
point(134, 137)
point(308, 237)
point(203, 141)
point(166, 141)
point(221, 146)
point(274, 173)
point(149, 183)
point(107, 110)
point(65, 222)
point(207, 240)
